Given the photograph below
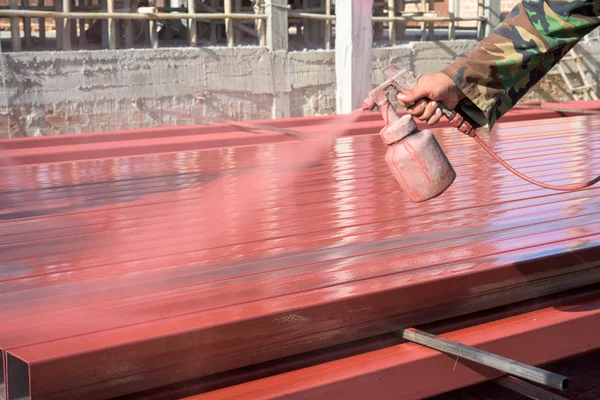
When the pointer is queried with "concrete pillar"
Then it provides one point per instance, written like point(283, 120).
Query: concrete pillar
point(493, 12)
point(281, 106)
point(353, 44)
point(277, 24)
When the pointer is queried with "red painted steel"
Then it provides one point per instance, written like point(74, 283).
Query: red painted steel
point(120, 274)
point(186, 138)
point(409, 371)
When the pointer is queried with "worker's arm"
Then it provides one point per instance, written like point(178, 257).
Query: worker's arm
point(488, 81)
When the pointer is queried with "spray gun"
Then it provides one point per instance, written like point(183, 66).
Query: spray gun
point(415, 157)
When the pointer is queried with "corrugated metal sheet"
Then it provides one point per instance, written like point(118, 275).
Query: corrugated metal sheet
point(137, 260)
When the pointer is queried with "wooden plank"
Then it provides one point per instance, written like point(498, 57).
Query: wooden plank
point(432, 24)
point(400, 26)
point(277, 24)
point(378, 27)
point(104, 25)
point(481, 25)
point(237, 33)
point(328, 25)
point(73, 25)
point(423, 24)
point(213, 25)
point(354, 39)
point(306, 33)
point(27, 26)
point(15, 31)
point(153, 28)
point(112, 30)
point(168, 25)
point(228, 24)
point(42, 23)
point(493, 12)
point(451, 25)
point(261, 25)
point(128, 27)
point(192, 25)
point(66, 23)
point(59, 24)
point(392, 25)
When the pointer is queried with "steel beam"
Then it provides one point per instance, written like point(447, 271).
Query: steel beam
point(536, 337)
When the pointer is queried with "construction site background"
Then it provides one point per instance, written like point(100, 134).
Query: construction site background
point(47, 90)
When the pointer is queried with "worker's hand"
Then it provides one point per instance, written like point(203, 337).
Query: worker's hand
point(435, 87)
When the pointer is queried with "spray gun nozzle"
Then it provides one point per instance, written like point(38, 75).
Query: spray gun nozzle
point(368, 104)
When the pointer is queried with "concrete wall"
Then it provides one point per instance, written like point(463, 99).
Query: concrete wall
point(72, 92)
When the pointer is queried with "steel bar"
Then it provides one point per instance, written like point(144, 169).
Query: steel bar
point(25, 149)
point(110, 239)
point(424, 19)
point(564, 110)
point(374, 374)
point(427, 19)
point(2, 377)
point(527, 389)
point(124, 15)
point(518, 369)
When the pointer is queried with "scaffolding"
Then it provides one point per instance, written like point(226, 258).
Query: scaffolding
point(114, 24)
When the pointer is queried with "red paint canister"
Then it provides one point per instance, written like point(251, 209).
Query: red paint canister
point(414, 157)
point(417, 160)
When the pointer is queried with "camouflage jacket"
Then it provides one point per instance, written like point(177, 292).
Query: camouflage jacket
point(518, 53)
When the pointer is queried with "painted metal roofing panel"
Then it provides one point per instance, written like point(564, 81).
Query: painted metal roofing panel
point(130, 264)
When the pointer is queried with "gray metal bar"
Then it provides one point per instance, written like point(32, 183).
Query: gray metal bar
point(526, 389)
point(2, 385)
point(512, 367)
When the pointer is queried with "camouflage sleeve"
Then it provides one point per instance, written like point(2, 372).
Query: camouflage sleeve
point(518, 53)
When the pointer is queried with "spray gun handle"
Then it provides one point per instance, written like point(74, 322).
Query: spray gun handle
point(402, 80)
point(457, 120)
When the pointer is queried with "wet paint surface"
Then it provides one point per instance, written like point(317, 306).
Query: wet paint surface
point(294, 239)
